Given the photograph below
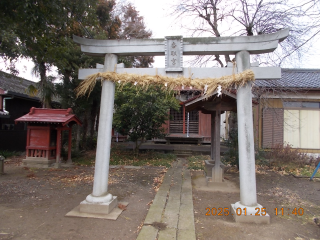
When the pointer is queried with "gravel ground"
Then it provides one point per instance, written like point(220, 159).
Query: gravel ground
point(273, 191)
point(33, 202)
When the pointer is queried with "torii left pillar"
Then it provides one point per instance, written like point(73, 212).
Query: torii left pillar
point(100, 200)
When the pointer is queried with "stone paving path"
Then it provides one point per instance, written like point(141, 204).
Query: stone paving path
point(171, 213)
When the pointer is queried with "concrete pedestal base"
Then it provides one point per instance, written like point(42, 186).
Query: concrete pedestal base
point(199, 182)
point(113, 215)
point(69, 162)
point(38, 162)
point(217, 185)
point(212, 174)
point(217, 174)
point(98, 208)
point(244, 214)
point(57, 165)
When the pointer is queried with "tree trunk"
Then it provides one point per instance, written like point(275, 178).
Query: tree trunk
point(137, 147)
point(84, 130)
point(93, 115)
point(78, 138)
point(97, 120)
point(42, 72)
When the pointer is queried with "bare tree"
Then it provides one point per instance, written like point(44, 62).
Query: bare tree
point(132, 27)
point(254, 17)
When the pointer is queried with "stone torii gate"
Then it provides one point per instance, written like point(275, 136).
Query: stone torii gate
point(173, 48)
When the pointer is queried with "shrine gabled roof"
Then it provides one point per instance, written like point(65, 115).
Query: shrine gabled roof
point(45, 115)
point(208, 103)
point(204, 97)
point(190, 100)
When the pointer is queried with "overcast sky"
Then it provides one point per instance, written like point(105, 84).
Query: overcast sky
point(157, 19)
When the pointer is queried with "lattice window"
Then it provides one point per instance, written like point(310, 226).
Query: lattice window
point(176, 121)
point(193, 122)
point(193, 116)
point(176, 115)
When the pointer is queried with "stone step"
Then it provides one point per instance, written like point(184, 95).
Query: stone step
point(183, 151)
point(171, 214)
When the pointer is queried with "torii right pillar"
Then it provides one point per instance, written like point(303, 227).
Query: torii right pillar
point(247, 209)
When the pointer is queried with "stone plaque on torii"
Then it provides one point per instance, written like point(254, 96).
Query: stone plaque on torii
point(173, 48)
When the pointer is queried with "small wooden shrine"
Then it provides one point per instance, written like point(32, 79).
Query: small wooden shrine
point(44, 133)
point(214, 104)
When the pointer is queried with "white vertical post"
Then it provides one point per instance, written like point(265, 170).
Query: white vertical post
point(248, 195)
point(101, 172)
point(247, 171)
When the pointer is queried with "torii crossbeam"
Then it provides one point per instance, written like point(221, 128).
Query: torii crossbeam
point(173, 48)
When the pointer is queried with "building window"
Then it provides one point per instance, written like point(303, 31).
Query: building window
point(298, 127)
point(309, 105)
point(302, 128)
point(272, 127)
point(176, 121)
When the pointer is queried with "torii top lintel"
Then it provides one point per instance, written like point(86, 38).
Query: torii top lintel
point(191, 46)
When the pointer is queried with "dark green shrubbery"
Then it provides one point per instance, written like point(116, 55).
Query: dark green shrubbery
point(232, 155)
point(7, 153)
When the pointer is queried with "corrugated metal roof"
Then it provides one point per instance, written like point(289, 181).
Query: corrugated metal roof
point(294, 78)
point(18, 86)
point(9, 82)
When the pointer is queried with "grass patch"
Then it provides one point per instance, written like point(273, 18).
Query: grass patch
point(123, 157)
point(197, 162)
point(84, 160)
point(297, 170)
point(148, 158)
point(307, 171)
